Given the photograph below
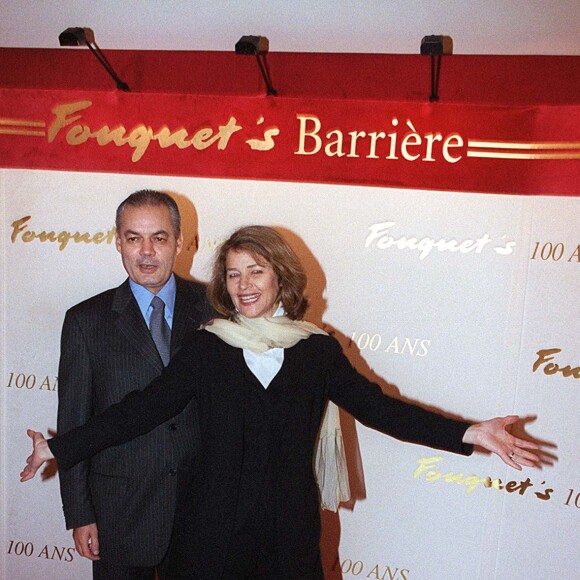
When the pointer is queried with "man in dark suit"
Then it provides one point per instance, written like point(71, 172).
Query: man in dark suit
point(121, 503)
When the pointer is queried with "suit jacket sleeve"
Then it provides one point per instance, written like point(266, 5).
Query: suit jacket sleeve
point(367, 403)
point(138, 412)
point(74, 408)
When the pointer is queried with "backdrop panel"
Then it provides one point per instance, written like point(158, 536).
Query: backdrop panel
point(472, 319)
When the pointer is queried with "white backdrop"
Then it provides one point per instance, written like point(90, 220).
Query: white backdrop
point(458, 330)
point(368, 26)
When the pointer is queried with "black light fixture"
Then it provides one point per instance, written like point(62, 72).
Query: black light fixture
point(259, 46)
point(436, 46)
point(77, 36)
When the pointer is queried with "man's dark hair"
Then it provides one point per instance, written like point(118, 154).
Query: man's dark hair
point(151, 197)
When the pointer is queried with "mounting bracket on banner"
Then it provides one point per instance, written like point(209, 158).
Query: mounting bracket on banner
point(436, 46)
point(77, 36)
point(259, 46)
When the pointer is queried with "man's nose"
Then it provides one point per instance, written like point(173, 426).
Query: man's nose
point(147, 248)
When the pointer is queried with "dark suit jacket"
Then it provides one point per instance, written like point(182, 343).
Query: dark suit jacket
point(257, 446)
point(130, 490)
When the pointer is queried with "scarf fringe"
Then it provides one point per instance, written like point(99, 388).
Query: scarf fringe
point(330, 462)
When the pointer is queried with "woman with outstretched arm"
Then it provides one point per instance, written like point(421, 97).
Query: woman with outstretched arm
point(248, 506)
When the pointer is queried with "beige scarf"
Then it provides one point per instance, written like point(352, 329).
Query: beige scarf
point(262, 334)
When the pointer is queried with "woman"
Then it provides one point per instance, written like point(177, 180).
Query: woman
point(249, 507)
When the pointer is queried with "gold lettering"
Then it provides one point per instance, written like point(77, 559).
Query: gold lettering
point(431, 137)
point(105, 136)
point(50, 236)
point(140, 137)
point(576, 254)
point(166, 138)
point(78, 135)
point(46, 385)
point(453, 140)
point(78, 238)
point(226, 131)
point(550, 368)
point(266, 143)
point(373, 148)
point(62, 112)
point(63, 239)
point(17, 226)
point(334, 148)
point(20, 229)
point(410, 139)
point(354, 135)
point(202, 139)
point(471, 482)
point(304, 119)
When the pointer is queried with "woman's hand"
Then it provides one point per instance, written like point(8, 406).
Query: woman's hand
point(40, 453)
point(494, 436)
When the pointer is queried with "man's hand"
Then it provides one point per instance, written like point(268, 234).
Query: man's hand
point(40, 453)
point(87, 541)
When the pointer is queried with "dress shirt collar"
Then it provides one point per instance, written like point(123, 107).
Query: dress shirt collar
point(144, 297)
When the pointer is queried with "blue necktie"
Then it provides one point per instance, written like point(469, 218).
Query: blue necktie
point(160, 330)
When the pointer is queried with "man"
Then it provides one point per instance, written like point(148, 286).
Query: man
point(121, 503)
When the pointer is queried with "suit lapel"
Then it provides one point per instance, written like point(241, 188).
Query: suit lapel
point(131, 324)
point(186, 317)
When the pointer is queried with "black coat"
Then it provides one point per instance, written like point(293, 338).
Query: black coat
point(255, 465)
point(129, 491)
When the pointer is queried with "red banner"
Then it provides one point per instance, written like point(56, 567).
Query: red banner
point(514, 149)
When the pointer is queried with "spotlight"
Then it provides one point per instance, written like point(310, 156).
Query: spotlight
point(77, 36)
point(436, 46)
point(257, 45)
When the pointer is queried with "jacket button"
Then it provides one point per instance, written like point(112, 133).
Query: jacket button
point(173, 427)
point(173, 472)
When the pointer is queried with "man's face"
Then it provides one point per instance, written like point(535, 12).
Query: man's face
point(147, 244)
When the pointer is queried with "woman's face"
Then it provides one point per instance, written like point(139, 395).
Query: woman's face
point(252, 284)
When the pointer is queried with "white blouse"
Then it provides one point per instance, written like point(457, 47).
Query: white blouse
point(265, 366)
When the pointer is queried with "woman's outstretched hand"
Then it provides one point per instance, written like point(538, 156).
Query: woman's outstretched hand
point(40, 453)
point(494, 436)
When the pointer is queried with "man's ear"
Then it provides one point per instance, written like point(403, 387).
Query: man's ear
point(179, 243)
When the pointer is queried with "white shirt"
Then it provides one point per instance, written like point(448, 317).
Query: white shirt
point(265, 366)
